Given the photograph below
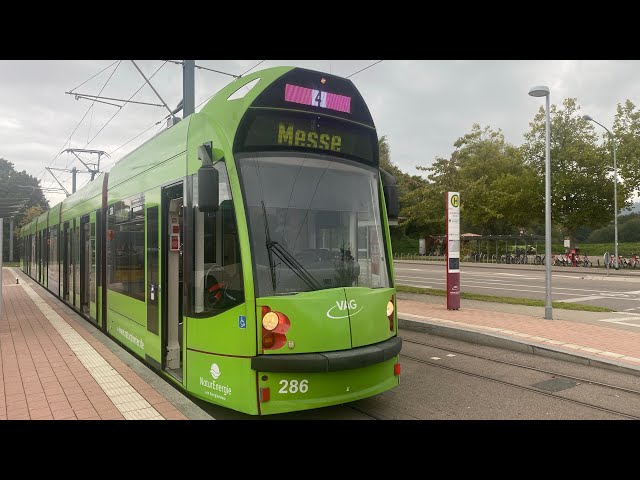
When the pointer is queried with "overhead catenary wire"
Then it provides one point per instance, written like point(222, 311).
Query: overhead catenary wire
point(83, 117)
point(206, 68)
point(85, 113)
point(132, 139)
point(261, 61)
point(164, 118)
point(355, 73)
point(200, 104)
point(241, 75)
point(217, 71)
point(106, 68)
point(119, 110)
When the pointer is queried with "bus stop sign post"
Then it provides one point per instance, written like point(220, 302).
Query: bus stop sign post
point(453, 250)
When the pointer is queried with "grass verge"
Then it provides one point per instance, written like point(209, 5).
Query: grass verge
point(511, 300)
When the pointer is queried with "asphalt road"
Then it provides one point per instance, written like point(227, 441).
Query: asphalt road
point(587, 286)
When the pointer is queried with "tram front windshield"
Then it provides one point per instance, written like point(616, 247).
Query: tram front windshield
point(314, 223)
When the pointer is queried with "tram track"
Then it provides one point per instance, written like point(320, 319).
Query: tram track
point(521, 387)
point(364, 412)
point(527, 367)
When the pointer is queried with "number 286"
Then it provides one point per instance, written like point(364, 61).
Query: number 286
point(293, 386)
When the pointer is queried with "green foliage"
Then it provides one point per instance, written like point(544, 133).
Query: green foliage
point(405, 245)
point(598, 249)
point(582, 233)
point(29, 214)
point(601, 235)
point(628, 231)
point(14, 184)
point(626, 129)
point(498, 192)
point(502, 186)
point(581, 184)
point(19, 185)
point(412, 218)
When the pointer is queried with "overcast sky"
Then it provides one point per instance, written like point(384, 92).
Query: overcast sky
point(422, 106)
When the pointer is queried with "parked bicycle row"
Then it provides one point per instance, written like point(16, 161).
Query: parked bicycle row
point(564, 259)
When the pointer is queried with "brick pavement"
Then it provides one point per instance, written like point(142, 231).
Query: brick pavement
point(602, 342)
point(52, 368)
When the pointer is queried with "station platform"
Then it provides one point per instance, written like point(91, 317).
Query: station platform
point(55, 365)
point(604, 339)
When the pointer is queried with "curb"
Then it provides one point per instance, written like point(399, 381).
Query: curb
point(500, 341)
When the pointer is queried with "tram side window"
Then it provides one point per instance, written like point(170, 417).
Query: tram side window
point(218, 276)
point(125, 247)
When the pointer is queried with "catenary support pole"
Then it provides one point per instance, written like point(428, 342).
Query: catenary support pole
point(188, 87)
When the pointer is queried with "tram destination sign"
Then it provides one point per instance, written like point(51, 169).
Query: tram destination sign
point(278, 130)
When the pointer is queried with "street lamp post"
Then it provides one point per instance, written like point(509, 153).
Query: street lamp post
point(615, 187)
point(543, 91)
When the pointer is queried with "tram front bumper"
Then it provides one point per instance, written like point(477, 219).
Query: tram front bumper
point(339, 360)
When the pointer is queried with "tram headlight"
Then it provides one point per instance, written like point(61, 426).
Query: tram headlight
point(270, 321)
point(274, 321)
point(390, 307)
point(275, 325)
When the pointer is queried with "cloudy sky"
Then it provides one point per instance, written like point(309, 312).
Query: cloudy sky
point(423, 106)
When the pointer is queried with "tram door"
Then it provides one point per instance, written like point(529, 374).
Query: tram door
point(172, 202)
point(39, 256)
point(85, 262)
point(66, 252)
point(45, 258)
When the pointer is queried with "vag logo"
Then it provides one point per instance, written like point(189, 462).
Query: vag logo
point(349, 308)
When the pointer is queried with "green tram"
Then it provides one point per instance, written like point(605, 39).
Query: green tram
point(244, 253)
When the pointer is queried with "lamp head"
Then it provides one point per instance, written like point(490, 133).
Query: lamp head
point(540, 91)
point(587, 117)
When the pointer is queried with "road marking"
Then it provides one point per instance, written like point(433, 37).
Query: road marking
point(451, 355)
point(582, 299)
point(507, 274)
point(503, 283)
point(127, 400)
point(435, 358)
point(440, 286)
point(422, 285)
point(619, 321)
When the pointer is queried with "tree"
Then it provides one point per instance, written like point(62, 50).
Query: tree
point(29, 214)
point(498, 191)
point(628, 231)
point(407, 185)
point(626, 129)
point(20, 185)
point(581, 171)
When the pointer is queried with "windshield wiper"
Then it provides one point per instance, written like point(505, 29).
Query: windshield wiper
point(274, 248)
